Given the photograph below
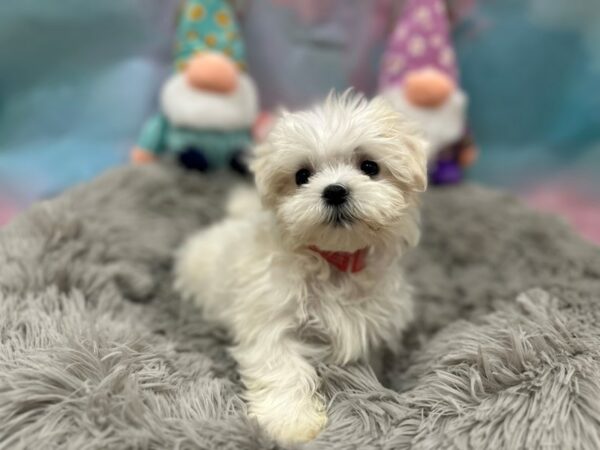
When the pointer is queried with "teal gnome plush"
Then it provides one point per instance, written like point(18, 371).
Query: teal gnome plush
point(209, 104)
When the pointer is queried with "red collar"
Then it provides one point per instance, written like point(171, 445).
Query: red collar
point(344, 261)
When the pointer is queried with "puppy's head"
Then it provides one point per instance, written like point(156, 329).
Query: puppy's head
point(343, 175)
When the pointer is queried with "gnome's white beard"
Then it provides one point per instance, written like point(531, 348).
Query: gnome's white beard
point(443, 125)
point(187, 107)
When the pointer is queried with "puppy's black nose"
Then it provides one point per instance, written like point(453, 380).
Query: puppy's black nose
point(335, 194)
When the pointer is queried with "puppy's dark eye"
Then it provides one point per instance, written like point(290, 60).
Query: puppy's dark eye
point(370, 168)
point(302, 176)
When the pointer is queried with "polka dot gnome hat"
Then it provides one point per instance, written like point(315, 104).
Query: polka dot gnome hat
point(208, 25)
point(420, 40)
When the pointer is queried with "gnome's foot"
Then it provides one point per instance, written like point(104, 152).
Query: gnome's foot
point(193, 159)
point(239, 164)
point(445, 172)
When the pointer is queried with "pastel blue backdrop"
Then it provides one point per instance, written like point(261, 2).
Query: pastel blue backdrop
point(78, 78)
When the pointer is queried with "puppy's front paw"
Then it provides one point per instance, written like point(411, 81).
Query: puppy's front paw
point(297, 423)
point(305, 426)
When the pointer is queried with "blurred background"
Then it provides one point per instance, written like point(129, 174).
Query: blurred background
point(78, 79)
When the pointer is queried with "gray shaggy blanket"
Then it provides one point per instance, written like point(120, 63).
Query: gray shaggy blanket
point(98, 352)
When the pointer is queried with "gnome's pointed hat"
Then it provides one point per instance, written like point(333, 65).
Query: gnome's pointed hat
point(420, 40)
point(208, 25)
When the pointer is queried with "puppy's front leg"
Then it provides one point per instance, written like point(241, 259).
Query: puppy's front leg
point(281, 387)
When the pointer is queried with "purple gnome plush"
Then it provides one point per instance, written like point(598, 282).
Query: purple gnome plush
point(419, 77)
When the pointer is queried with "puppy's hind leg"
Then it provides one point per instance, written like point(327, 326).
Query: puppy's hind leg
point(281, 388)
point(195, 265)
point(243, 201)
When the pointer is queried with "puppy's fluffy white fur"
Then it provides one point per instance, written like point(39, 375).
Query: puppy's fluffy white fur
point(285, 306)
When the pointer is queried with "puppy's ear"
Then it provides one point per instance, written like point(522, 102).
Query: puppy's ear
point(407, 157)
point(266, 165)
point(262, 167)
point(412, 168)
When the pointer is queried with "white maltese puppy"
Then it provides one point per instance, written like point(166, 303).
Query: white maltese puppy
point(314, 277)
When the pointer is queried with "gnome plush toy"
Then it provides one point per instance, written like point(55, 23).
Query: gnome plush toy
point(209, 105)
point(419, 77)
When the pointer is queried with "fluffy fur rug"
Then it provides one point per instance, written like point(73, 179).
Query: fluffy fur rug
point(97, 352)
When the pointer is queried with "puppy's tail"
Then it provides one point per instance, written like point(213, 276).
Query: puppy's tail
point(243, 201)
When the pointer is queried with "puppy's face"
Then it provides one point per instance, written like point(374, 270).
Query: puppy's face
point(344, 175)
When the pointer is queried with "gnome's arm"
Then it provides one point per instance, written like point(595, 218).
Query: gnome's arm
point(152, 139)
point(467, 151)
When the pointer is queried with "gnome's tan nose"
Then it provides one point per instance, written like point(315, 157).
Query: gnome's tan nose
point(428, 87)
point(212, 71)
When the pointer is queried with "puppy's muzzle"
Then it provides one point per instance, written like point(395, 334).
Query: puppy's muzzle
point(335, 194)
